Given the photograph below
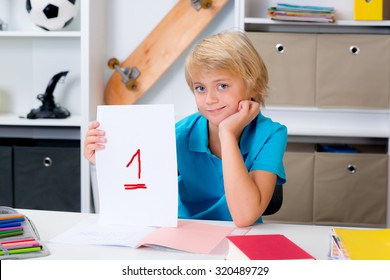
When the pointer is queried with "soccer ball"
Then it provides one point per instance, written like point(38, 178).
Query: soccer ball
point(52, 14)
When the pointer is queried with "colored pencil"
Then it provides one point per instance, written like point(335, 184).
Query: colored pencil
point(23, 250)
point(11, 221)
point(16, 224)
point(20, 246)
point(10, 233)
point(18, 241)
point(10, 228)
point(11, 217)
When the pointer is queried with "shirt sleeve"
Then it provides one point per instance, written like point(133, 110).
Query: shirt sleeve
point(270, 155)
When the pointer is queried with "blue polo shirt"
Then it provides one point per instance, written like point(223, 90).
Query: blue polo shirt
point(201, 188)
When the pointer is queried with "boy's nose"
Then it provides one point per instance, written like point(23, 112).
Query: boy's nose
point(211, 97)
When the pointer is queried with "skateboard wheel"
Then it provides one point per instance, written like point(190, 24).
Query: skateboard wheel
point(132, 85)
point(206, 4)
point(112, 62)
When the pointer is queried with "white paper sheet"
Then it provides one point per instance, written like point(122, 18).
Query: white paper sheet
point(91, 232)
point(137, 170)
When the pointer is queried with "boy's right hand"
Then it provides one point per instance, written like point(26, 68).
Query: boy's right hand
point(94, 140)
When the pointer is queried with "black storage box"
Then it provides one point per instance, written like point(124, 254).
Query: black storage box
point(47, 178)
point(6, 184)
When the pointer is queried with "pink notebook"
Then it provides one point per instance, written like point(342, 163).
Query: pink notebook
point(189, 236)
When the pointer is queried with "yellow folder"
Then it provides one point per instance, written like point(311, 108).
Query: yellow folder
point(371, 10)
point(365, 244)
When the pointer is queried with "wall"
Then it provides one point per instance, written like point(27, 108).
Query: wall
point(128, 24)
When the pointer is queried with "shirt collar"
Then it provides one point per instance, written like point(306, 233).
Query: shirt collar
point(199, 135)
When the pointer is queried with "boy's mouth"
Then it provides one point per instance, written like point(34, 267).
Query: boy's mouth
point(216, 110)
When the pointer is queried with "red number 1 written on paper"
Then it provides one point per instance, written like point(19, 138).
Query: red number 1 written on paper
point(137, 155)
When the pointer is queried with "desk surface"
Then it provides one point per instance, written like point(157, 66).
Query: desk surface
point(314, 239)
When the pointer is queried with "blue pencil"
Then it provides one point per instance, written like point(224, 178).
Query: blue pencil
point(2, 222)
point(17, 224)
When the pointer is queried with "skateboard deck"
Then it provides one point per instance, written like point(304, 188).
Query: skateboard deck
point(158, 51)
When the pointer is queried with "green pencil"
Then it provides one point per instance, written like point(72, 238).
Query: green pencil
point(11, 233)
point(22, 250)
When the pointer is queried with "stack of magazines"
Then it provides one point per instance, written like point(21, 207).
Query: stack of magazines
point(287, 12)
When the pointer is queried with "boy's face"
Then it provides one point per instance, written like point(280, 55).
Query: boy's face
point(218, 93)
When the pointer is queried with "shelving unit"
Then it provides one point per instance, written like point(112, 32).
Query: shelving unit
point(251, 16)
point(350, 26)
point(30, 57)
point(318, 124)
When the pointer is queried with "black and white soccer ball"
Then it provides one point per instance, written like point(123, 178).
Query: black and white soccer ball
point(52, 14)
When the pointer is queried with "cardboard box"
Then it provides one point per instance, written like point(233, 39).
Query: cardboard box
point(371, 9)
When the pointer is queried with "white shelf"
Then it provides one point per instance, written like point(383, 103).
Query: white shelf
point(340, 26)
point(255, 20)
point(251, 15)
point(9, 119)
point(332, 122)
point(41, 34)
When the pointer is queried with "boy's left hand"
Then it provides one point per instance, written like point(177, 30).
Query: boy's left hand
point(235, 124)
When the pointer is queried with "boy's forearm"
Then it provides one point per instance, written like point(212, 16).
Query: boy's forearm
point(242, 193)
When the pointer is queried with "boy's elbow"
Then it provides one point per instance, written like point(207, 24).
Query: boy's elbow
point(244, 221)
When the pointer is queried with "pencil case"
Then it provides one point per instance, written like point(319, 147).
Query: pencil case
point(29, 232)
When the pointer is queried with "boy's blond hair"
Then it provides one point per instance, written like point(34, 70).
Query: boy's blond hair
point(234, 52)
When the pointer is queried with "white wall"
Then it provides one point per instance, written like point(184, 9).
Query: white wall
point(130, 21)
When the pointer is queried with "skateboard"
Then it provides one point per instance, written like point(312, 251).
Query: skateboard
point(175, 32)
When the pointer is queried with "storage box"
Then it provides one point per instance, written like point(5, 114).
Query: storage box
point(6, 188)
point(290, 62)
point(362, 60)
point(350, 189)
point(297, 204)
point(371, 9)
point(47, 178)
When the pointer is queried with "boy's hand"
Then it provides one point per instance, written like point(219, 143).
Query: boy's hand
point(235, 124)
point(93, 141)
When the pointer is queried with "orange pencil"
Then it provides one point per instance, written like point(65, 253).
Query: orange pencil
point(9, 217)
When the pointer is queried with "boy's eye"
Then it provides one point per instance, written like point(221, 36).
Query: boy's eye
point(223, 86)
point(200, 88)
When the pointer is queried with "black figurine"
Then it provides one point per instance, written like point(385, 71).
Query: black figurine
point(3, 25)
point(49, 109)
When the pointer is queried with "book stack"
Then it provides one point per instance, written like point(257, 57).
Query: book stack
point(18, 237)
point(360, 244)
point(287, 12)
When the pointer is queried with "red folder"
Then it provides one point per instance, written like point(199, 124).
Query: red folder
point(264, 247)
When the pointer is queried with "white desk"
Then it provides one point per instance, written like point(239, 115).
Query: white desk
point(314, 239)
